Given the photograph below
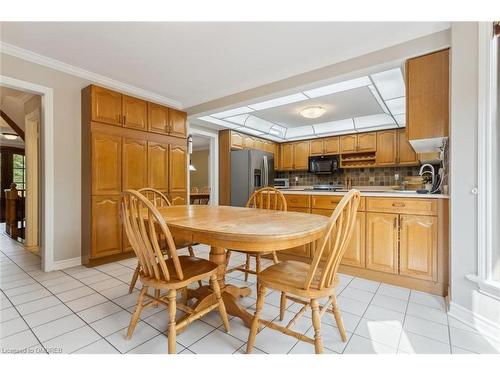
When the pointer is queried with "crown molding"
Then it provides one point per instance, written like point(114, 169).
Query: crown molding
point(48, 62)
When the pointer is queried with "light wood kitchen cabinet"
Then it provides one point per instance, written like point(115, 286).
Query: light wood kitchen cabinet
point(332, 145)
point(158, 166)
point(348, 143)
point(406, 153)
point(135, 113)
point(317, 147)
point(178, 168)
point(106, 159)
point(237, 140)
point(300, 155)
point(427, 96)
point(178, 199)
point(248, 142)
point(287, 156)
point(134, 163)
point(387, 142)
point(157, 118)
point(382, 242)
point(367, 142)
point(418, 246)
point(106, 226)
point(177, 123)
point(303, 250)
point(258, 144)
point(106, 106)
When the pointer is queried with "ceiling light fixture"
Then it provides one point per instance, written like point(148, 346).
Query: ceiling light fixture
point(10, 136)
point(312, 112)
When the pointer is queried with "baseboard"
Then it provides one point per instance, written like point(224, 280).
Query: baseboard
point(466, 316)
point(67, 263)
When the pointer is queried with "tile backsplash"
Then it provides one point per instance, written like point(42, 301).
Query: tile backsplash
point(359, 176)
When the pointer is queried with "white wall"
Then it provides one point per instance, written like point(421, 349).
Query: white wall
point(463, 174)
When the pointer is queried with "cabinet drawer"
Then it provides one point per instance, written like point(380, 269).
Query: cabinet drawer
point(297, 200)
point(329, 202)
point(404, 205)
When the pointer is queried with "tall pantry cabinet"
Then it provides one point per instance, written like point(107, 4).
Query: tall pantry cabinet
point(127, 143)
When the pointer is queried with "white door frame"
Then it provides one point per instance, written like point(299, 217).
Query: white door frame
point(47, 165)
point(213, 162)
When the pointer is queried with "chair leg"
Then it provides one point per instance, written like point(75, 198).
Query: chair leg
point(137, 312)
point(134, 279)
point(157, 296)
point(282, 305)
point(247, 267)
point(172, 294)
point(275, 258)
point(261, 295)
point(316, 319)
point(191, 254)
point(338, 319)
point(222, 308)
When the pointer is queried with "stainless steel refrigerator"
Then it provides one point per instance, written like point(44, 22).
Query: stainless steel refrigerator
point(250, 170)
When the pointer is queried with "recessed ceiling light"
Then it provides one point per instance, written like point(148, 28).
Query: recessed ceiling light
point(9, 136)
point(312, 112)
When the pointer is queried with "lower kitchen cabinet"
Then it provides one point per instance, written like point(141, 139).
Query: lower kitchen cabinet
point(106, 226)
point(178, 199)
point(300, 251)
point(418, 246)
point(382, 242)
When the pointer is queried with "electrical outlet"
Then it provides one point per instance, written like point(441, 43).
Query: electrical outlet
point(396, 177)
point(296, 178)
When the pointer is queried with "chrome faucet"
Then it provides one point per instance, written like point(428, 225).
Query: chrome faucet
point(431, 172)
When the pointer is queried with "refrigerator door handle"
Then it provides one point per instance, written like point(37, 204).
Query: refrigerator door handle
point(266, 171)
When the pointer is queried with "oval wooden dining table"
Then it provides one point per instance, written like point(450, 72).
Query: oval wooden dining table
point(238, 228)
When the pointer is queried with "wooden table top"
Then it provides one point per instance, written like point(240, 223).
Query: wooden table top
point(244, 228)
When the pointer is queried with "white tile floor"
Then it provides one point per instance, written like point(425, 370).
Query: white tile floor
point(82, 310)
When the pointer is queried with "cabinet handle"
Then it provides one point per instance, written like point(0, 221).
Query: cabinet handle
point(401, 222)
point(119, 119)
point(124, 119)
point(398, 204)
point(395, 222)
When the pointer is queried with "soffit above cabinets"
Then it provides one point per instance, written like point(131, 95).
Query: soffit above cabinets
point(372, 102)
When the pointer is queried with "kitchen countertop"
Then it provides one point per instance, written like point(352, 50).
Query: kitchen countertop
point(374, 192)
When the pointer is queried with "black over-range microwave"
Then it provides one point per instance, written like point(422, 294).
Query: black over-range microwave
point(325, 164)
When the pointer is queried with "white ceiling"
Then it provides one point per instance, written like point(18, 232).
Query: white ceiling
point(197, 62)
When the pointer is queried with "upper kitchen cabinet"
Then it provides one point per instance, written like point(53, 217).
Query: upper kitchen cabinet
point(406, 153)
point(106, 106)
point(367, 142)
point(324, 146)
point(427, 100)
point(178, 123)
point(286, 156)
point(317, 147)
point(158, 118)
point(135, 113)
point(348, 143)
point(387, 147)
point(300, 155)
point(236, 140)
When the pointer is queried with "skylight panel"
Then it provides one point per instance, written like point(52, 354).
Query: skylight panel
point(334, 126)
point(401, 120)
point(232, 112)
point(374, 121)
point(279, 101)
point(240, 119)
point(338, 87)
point(258, 124)
point(396, 106)
point(301, 131)
point(218, 122)
point(377, 97)
point(249, 131)
point(390, 83)
point(278, 131)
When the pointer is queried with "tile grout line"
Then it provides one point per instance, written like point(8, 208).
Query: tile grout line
point(404, 320)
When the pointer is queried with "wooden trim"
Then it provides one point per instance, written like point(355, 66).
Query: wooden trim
point(12, 124)
point(225, 167)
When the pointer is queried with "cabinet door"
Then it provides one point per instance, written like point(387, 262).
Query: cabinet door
point(248, 142)
point(106, 164)
point(301, 155)
point(236, 140)
point(178, 169)
point(158, 118)
point(382, 242)
point(418, 246)
point(406, 154)
point(355, 252)
point(317, 147)
point(106, 227)
point(387, 147)
point(135, 113)
point(178, 125)
point(287, 156)
point(106, 106)
point(332, 145)
point(258, 144)
point(134, 164)
point(367, 142)
point(158, 166)
point(178, 199)
point(427, 96)
point(348, 143)
point(301, 251)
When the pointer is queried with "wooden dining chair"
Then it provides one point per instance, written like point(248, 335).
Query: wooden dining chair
point(305, 283)
point(158, 199)
point(164, 270)
point(266, 198)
